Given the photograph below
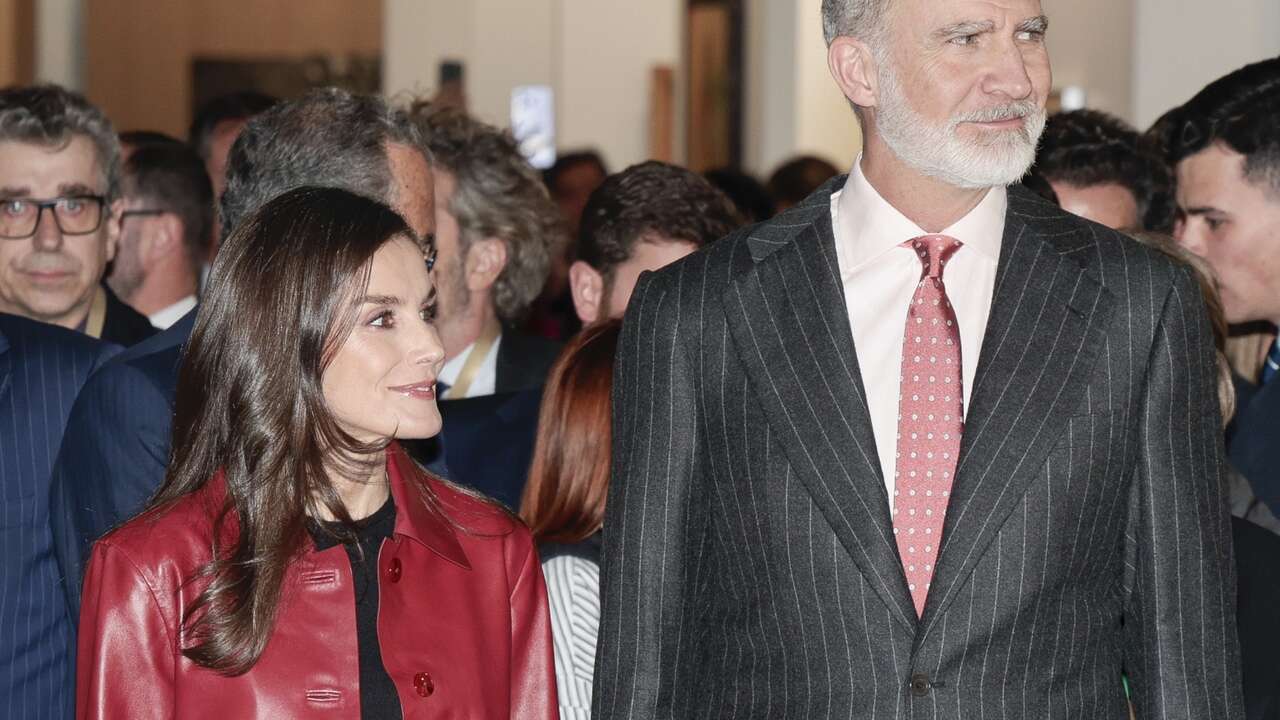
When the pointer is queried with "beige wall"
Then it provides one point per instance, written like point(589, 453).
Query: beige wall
point(792, 104)
point(1090, 46)
point(1181, 45)
point(596, 54)
point(137, 64)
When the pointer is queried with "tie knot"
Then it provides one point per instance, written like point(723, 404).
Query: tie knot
point(934, 251)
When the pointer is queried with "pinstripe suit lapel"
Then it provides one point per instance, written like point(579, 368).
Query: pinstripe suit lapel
point(787, 316)
point(1045, 331)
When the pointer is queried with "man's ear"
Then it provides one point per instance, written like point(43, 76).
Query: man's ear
point(853, 66)
point(113, 228)
point(484, 263)
point(586, 284)
point(163, 238)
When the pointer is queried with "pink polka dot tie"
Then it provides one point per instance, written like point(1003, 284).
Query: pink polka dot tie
point(930, 417)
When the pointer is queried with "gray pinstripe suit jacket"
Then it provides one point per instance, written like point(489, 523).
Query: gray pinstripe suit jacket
point(749, 564)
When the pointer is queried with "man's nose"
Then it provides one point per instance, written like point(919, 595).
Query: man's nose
point(48, 235)
point(1008, 74)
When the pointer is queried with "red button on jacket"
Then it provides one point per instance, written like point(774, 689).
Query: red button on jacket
point(462, 618)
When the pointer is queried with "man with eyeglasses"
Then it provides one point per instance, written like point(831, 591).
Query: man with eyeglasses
point(59, 214)
point(165, 231)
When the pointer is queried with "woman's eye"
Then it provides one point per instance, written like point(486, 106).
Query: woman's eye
point(382, 319)
point(428, 313)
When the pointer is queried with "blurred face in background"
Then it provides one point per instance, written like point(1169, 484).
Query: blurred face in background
point(220, 141)
point(961, 88)
point(381, 382)
point(1234, 224)
point(649, 254)
point(450, 272)
point(1106, 204)
point(52, 276)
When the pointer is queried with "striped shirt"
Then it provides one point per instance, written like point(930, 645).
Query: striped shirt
point(573, 593)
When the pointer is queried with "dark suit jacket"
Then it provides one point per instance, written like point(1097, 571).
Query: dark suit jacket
point(1258, 607)
point(523, 361)
point(489, 443)
point(1253, 439)
point(116, 448)
point(41, 369)
point(123, 325)
point(749, 565)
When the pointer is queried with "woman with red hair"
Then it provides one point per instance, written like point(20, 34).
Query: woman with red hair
point(563, 503)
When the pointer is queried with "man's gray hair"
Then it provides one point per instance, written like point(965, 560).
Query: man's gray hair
point(863, 19)
point(327, 138)
point(499, 195)
point(52, 116)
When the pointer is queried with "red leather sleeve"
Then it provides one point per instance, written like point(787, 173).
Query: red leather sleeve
point(126, 655)
point(533, 671)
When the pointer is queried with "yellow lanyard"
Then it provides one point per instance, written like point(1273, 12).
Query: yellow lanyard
point(471, 368)
point(97, 314)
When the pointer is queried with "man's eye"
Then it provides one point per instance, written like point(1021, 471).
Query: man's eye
point(14, 207)
point(383, 320)
point(964, 39)
point(71, 206)
point(1031, 35)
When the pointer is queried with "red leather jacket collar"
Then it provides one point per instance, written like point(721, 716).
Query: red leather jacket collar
point(415, 520)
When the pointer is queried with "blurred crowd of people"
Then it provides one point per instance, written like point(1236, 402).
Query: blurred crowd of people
point(173, 390)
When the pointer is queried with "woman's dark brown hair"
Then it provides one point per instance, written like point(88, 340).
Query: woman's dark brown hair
point(564, 499)
point(250, 405)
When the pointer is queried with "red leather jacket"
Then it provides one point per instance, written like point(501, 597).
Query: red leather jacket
point(462, 619)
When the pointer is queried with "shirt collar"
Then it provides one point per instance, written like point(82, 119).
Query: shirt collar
point(870, 226)
point(170, 315)
point(453, 367)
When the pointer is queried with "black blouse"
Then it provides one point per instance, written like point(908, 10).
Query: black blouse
point(378, 697)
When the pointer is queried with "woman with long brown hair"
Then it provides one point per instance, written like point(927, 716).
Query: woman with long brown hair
point(296, 561)
point(564, 501)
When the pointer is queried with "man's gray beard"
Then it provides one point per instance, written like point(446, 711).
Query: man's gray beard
point(938, 152)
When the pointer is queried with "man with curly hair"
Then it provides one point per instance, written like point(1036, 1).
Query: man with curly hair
point(496, 230)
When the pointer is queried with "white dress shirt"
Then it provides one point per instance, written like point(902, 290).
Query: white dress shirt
point(880, 277)
point(172, 314)
point(486, 380)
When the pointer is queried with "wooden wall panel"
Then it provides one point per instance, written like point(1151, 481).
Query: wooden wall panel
point(138, 52)
point(17, 52)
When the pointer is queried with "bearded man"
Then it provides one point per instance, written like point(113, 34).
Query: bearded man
point(924, 446)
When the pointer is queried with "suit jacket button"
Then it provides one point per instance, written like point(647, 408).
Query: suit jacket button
point(919, 684)
point(393, 570)
point(423, 684)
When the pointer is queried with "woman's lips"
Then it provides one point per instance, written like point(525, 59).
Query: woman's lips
point(425, 390)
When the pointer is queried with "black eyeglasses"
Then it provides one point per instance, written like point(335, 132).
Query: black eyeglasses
point(141, 212)
point(75, 215)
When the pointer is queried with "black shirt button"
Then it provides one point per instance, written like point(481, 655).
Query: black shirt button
point(393, 570)
point(919, 684)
